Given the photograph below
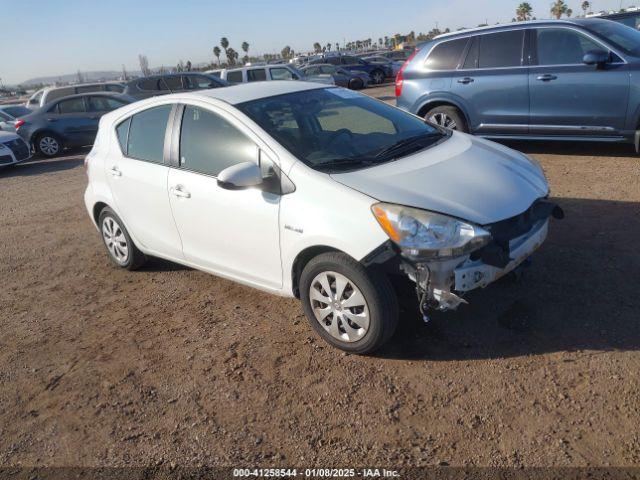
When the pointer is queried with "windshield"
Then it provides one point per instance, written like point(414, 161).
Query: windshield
point(620, 36)
point(337, 129)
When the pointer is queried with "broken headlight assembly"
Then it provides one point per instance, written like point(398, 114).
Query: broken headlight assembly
point(427, 236)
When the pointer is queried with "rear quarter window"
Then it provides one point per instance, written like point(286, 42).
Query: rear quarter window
point(234, 77)
point(446, 55)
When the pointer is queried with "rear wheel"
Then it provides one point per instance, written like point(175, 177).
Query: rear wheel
point(350, 307)
point(121, 249)
point(48, 144)
point(356, 84)
point(448, 117)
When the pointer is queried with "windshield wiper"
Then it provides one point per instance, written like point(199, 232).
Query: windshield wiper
point(408, 145)
point(347, 162)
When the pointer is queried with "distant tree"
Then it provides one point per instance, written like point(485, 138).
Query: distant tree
point(328, 47)
point(187, 66)
point(286, 52)
point(144, 65)
point(380, 41)
point(585, 7)
point(245, 49)
point(569, 12)
point(224, 43)
point(317, 48)
point(523, 12)
point(559, 8)
point(232, 56)
point(216, 53)
point(125, 76)
point(180, 66)
point(80, 77)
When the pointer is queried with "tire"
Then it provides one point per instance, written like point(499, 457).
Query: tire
point(356, 84)
point(377, 77)
point(115, 237)
point(447, 115)
point(376, 302)
point(48, 144)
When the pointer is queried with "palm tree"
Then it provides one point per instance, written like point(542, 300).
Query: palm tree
point(224, 43)
point(286, 52)
point(216, 53)
point(329, 47)
point(559, 8)
point(245, 49)
point(569, 12)
point(232, 56)
point(523, 12)
point(585, 7)
point(317, 48)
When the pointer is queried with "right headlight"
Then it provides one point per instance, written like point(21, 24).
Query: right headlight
point(424, 235)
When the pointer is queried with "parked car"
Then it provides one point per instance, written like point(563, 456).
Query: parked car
point(394, 65)
point(261, 73)
point(69, 122)
point(13, 149)
point(341, 77)
point(49, 94)
point(154, 85)
point(630, 18)
point(318, 193)
point(9, 114)
point(547, 80)
point(376, 71)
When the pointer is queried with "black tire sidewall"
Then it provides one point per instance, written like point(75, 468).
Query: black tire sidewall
point(375, 288)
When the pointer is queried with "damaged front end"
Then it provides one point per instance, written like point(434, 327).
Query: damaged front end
point(446, 257)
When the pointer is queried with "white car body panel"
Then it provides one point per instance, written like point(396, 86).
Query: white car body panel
point(6, 151)
point(254, 237)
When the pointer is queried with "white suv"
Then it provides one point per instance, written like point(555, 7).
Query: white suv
point(316, 192)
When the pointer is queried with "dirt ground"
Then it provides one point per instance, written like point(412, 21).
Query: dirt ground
point(170, 366)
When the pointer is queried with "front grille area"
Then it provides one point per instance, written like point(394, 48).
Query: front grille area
point(6, 159)
point(19, 148)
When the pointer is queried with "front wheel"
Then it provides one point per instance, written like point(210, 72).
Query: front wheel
point(350, 307)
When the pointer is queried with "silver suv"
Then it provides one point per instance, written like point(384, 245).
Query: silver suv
point(49, 94)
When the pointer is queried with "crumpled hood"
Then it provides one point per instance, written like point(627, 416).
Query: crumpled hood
point(464, 176)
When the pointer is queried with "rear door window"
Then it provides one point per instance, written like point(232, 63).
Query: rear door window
point(73, 105)
point(59, 93)
point(146, 134)
point(104, 104)
point(256, 75)
point(282, 74)
point(235, 76)
point(173, 83)
point(446, 55)
point(148, 84)
point(500, 50)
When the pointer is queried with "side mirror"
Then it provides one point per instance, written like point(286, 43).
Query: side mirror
point(240, 176)
point(596, 57)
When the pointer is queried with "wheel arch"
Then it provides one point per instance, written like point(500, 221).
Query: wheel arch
point(422, 111)
point(301, 261)
point(97, 210)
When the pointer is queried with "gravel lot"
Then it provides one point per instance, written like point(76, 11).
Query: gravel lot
point(170, 366)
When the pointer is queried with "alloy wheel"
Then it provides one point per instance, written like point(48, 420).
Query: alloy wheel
point(339, 306)
point(115, 240)
point(443, 120)
point(49, 145)
point(378, 78)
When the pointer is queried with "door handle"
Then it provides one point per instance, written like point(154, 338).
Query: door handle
point(179, 192)
point(465, 80)
point(547, 77)
point(115, 172)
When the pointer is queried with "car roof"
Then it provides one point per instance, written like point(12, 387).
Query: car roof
point(246, 92)
point(509, 26)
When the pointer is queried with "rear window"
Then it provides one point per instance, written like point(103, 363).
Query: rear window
point(499, 50)
point(172, 82)
point(17, 111)
point(148, 84)
point(234, 77)
point(446, 56)
point(146, 134)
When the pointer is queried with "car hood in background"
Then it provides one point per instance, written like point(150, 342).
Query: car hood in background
point(465, 177)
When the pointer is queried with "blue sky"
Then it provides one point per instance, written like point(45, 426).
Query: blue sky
point(54, 37)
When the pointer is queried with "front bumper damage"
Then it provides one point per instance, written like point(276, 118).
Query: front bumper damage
point(441, 284)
